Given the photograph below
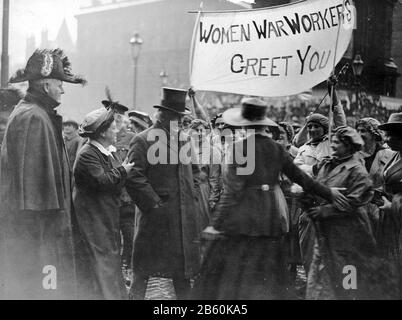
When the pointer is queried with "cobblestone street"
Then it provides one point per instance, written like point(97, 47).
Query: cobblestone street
point(162, 289)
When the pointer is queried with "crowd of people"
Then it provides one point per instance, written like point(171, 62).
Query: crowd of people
point(229, 208)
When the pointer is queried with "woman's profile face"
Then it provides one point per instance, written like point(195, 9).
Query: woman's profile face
point(339, 149)
point(111, 134)
point(366, 135)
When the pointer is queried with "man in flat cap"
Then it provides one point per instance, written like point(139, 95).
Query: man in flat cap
point(35, 193)
point(72, 140)
point(165, 242)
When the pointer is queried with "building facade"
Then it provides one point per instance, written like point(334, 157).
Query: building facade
point(104, 52)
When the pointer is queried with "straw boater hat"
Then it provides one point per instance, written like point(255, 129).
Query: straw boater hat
point(174, 100)
point(253, 112)
point(47, 64)
point(394, 123)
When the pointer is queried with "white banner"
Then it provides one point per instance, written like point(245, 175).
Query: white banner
point(270, 52)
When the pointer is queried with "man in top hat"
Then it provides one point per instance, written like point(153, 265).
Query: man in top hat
point(35, 184)
point(165, 241)
point(72, 140)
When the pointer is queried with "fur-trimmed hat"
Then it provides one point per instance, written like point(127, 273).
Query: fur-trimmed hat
point(47, 64)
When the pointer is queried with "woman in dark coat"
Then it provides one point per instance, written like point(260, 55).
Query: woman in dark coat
point(343, 233)
point(251, 216)
point(99, 181)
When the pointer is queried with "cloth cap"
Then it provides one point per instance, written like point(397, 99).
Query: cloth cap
point(319, 119)
point(371, 125)
point(94, 120)
point(350, 135)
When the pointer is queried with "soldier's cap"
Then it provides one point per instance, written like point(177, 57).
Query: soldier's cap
point(140, 118)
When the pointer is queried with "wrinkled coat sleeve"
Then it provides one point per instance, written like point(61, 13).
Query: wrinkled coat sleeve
point(297, 175)
point(358, 194)
point(138, 186)
point(215, 177)
point(89, 167)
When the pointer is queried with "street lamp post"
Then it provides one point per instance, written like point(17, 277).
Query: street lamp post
point(136, 44)
point(4, 53)
point(164, 78)
point(358, 66)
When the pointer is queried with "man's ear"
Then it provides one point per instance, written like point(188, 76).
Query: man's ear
point(46, 87)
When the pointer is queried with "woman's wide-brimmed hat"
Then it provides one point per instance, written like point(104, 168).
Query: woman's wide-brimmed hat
point(47, 64)
point(174, 100)
point(94, 120)
point(253, 112)
point(394, 123)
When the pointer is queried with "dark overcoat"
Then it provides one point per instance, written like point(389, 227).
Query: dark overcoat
point(99, 181)
point(246, 209)
point(35, 198)
point(166, 241)
point(248, 263)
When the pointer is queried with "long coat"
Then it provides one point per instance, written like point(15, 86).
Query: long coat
point(99, 181)
point(166, 240)
point(249, 262)
point(35, 198)
point(347, 234)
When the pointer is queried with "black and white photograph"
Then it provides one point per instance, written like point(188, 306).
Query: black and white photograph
point(200, 151)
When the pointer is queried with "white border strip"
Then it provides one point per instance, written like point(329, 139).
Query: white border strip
point(112, 6)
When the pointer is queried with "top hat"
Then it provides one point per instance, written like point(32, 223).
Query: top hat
point(174, 100)
point(253, 112)
point(394, 122)
point(47, 64)
point(94, 120)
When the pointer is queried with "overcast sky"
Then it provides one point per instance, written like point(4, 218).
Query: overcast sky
point(30, 17)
